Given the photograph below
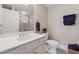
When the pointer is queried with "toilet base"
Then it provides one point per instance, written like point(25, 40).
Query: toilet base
point(52, 51)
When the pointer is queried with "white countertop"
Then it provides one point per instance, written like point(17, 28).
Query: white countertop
point(14, 41)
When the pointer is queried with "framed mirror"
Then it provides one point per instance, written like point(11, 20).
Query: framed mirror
point(16, 18)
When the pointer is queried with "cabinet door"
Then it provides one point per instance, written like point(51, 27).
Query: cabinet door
point(14, 51)
point(10, 21)
point(20, 50)
point(41, 49)
point(30, 47)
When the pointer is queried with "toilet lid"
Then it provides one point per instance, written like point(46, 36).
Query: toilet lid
point(52, 42)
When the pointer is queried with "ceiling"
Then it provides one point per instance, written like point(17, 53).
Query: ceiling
point(21, 7)
point(26, 7)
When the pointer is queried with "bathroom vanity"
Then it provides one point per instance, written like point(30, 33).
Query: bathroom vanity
point(17, 19)
point(14, 45)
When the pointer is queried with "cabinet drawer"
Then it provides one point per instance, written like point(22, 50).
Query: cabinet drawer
point(32, 45)
point(42, 40)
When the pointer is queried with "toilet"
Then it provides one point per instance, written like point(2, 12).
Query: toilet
point(52, 46)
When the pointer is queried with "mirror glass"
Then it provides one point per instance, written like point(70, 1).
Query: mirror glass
point(16, 18)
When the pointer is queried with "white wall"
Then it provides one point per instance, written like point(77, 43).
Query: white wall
point(0, 19)
point(65, 34)
point(41, 12)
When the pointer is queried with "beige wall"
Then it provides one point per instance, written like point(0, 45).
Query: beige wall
point(65, 34)
point(41, 12)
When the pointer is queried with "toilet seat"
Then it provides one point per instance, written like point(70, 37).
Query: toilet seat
point(52, 42)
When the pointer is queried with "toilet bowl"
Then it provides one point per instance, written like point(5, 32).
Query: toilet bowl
point(52, 46)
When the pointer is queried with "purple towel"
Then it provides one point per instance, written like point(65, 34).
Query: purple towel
point(37, 26)
point(73, 47)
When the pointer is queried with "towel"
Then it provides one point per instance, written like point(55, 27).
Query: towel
point(37, 26)
point(73, 47)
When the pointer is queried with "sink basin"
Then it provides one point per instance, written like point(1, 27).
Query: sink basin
point(26, 35)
